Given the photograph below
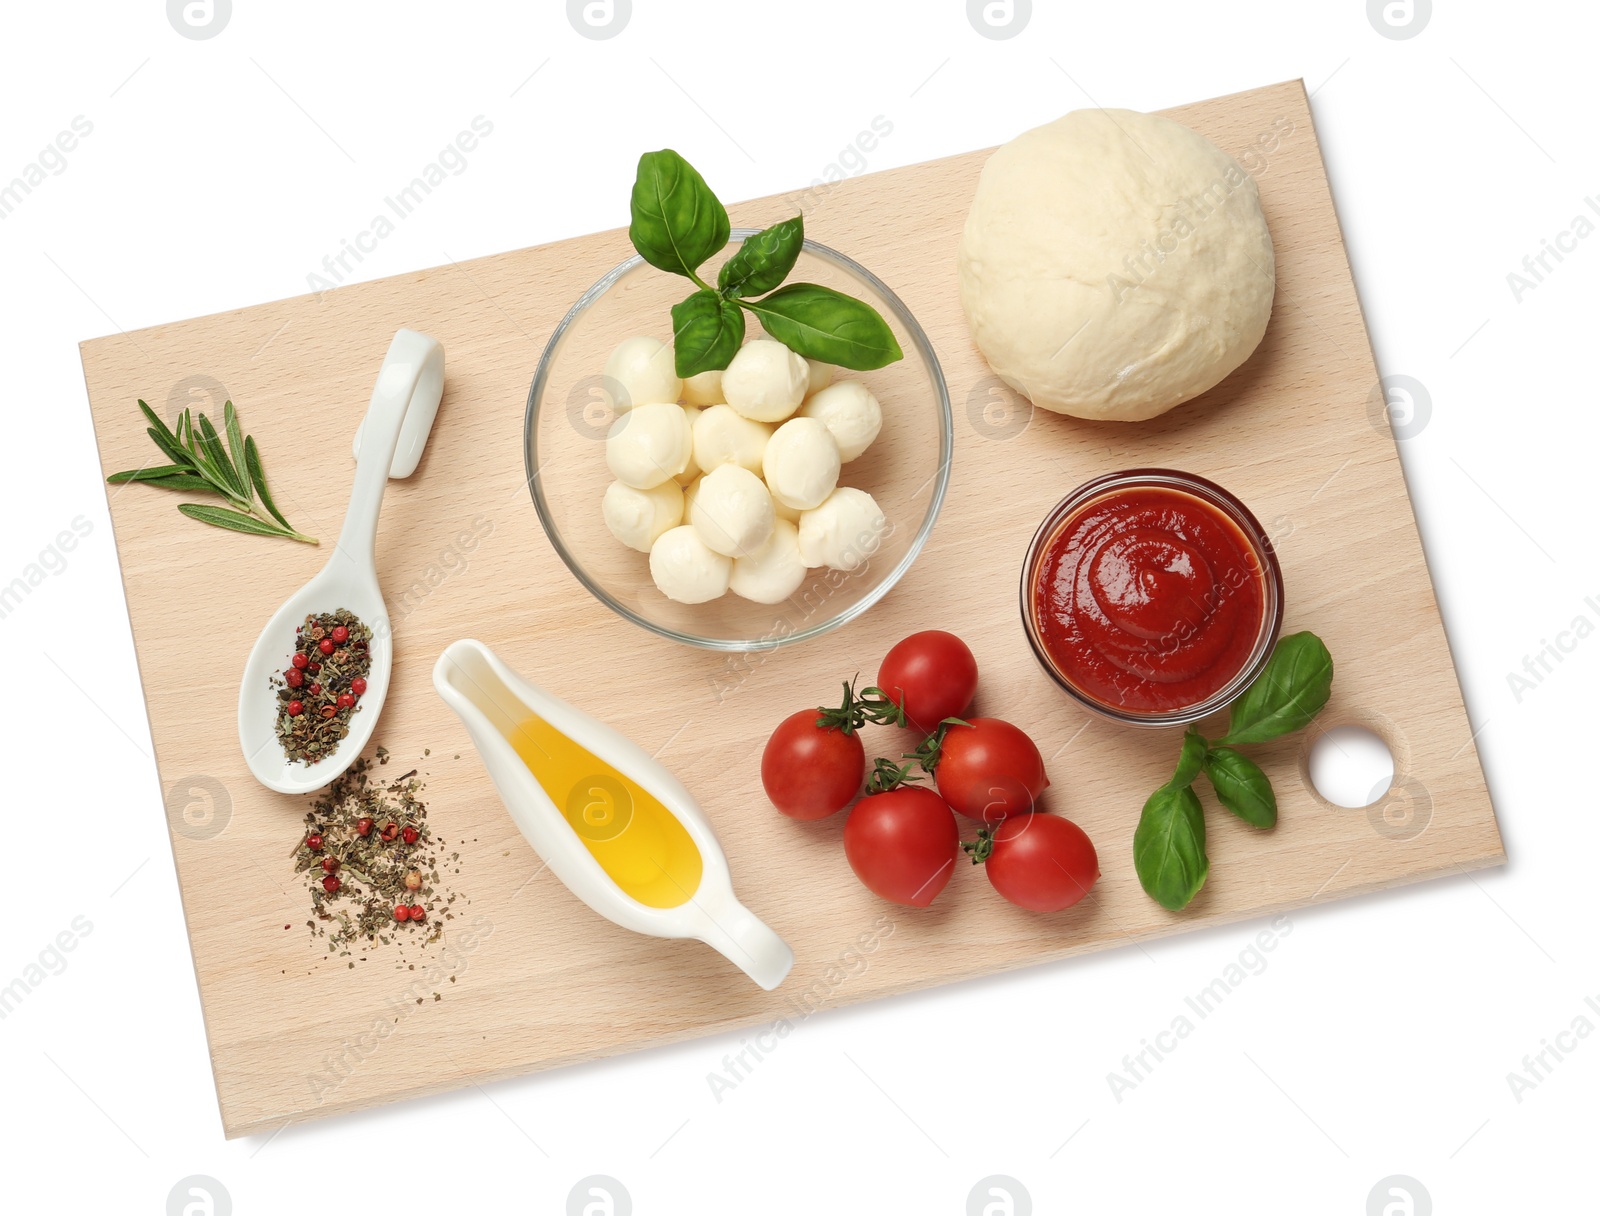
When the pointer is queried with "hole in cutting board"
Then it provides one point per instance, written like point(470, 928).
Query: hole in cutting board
point(1351, 766)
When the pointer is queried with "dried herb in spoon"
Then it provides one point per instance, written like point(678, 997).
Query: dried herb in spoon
point(321, 689)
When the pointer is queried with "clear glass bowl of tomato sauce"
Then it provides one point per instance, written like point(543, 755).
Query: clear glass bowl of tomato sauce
point(1152, 596)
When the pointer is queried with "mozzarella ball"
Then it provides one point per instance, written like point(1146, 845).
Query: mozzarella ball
point(819, 376)
point(694, 470)
point(689, 493)
point(643, 368)
point(781, 510)
point(843, 532)
point(649, 444)
point(773, 572)
point(685, 570)
point(703, 389)
point(801, 463)
point(732, 511)
point(766, 381)
point(722, 435)
point(851, 414)
point(638, 517)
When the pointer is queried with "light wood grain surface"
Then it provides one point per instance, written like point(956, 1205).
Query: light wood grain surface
point(542, 981)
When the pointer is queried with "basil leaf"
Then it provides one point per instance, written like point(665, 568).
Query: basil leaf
point(1287, 695)
point(706, 332)
point(820, 323)
point(1242, 787)
point(1190, 760)
point(677, 221)
point(1169, 846)
point(764, 260)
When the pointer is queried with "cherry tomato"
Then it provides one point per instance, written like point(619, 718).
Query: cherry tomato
point(811, 771)
point(903, 844)
point(1041, 862)
point(989, 769)
point(931, 676)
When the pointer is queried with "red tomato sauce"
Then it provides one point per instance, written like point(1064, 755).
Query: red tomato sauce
point(1149, 599)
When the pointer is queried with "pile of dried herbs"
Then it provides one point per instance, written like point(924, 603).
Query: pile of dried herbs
point(373, 862)
point(320, 690)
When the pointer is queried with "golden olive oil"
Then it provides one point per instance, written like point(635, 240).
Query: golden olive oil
point(639, 843)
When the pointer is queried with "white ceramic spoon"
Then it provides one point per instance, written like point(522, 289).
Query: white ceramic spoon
point(410, 384)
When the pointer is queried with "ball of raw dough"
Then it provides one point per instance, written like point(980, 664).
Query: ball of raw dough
point(649, 444)
point(801, 463)
point(766, 381)
point(851, 414)
point(722, 435)
point(843, 532)
point(819, 376)
point(732, 511)
point(773, 572)
point(693, 470)
point(703, 389)
point(643, 369)
point(1115, 264)
point(638, 517)
point(685, 570)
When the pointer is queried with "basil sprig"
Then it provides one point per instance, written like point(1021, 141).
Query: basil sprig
point(678, 223)
point(1169, 845)
point(764, 260)
point(1242, 787)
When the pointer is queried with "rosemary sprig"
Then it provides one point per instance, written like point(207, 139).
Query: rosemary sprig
point(201, 462)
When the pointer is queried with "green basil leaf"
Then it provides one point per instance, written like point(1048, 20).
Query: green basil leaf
point(677, 221)
point(820, 323)
point(1190, 760)
point(1169, 846)
point(1287, 695)
point(224, 517)
point(764, 260)
point(706, 332)
point(1242, 787)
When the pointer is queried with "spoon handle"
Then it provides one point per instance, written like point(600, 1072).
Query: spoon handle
point(412, 376)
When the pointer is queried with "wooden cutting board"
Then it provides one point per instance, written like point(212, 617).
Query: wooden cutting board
point(532, 978)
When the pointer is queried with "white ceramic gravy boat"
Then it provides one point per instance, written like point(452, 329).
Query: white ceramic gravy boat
point(493, 701)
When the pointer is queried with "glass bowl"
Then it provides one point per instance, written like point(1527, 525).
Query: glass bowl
point(570, 410)
point(1256, 543)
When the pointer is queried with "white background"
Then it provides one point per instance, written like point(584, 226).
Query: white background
point(1378, 1039)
